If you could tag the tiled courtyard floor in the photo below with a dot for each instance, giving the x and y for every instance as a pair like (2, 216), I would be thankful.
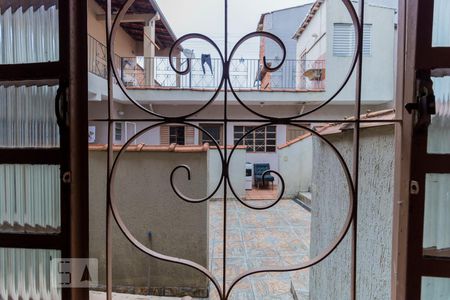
(266, 193)
(277, 237)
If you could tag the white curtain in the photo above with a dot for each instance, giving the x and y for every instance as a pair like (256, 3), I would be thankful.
(27, 117)
(25, 274)
(29, 36)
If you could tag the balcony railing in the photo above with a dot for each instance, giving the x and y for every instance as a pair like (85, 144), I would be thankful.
(97, 58)
(244, 74)
(140, 72)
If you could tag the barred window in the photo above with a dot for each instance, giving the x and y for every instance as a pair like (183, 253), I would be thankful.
(260, 140)
(176, 135)
(215, 130)
(118, 132)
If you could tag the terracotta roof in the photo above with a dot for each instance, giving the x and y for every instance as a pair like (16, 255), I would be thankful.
(164, 34)
(332, 128)
(153, 148)
(383, 115)
(296, 140)
(159, 148)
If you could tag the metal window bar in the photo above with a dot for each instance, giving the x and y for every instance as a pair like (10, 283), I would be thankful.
(226, 83)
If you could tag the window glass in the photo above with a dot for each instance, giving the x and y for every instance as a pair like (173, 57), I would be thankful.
(436, 235)
(26, 274)
(27, 116)
(29, 198)
(29, 32)
(439, 130)
(118, 130)
(435, 288)
(176, 135)
(259, 140)
(441, 23)
(215, 130)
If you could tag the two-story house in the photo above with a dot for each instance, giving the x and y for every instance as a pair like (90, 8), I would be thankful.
(327, 35)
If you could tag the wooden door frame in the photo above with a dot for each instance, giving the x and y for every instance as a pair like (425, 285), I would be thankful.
(70, 72)
(415, 52)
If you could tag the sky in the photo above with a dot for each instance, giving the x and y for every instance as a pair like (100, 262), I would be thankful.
(207, 17)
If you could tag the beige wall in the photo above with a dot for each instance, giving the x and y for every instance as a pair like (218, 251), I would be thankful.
(147, 203)
(125, 46)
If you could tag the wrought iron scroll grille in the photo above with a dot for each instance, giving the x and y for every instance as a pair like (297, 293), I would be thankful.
(261, 119)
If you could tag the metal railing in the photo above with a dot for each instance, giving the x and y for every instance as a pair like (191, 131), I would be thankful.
(244, 74)
(156, 72)
(97, 57)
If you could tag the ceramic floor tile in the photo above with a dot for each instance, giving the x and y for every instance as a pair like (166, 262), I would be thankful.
(275, 237)
(234, 249)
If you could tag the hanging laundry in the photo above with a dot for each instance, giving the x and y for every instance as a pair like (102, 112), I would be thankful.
(206, 58)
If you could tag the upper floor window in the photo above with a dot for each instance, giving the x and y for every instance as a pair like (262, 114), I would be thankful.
(215, 130)
(261, 140)
(176, 135)
(344, 39)
(118, 132)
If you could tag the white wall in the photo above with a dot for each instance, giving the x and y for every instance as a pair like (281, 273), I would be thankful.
(378, 68)
(312, 41)
(329, 205)
(295, 165)
(237, 172)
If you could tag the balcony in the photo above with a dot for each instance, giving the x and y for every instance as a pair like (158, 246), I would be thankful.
(245, 74)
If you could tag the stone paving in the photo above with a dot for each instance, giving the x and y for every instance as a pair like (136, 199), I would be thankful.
(278, 236)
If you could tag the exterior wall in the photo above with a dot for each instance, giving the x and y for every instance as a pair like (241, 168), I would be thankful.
(99, 109)
(314, 48)
(147, 203)
(378, 68)
(331, 278)
(312, 44)
(124, 45)
(283, 24)
(295, 165)
(237, 172)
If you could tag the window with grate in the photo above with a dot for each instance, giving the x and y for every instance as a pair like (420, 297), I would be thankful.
(118, 132)
(259, 140)
(176, 135)
(215, 130)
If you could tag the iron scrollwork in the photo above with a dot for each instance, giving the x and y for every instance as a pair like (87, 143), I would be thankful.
(265, 120)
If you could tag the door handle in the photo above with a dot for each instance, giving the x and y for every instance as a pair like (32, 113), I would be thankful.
(425, 103)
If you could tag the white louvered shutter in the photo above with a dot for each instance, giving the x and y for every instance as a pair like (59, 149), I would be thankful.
(344, 39)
